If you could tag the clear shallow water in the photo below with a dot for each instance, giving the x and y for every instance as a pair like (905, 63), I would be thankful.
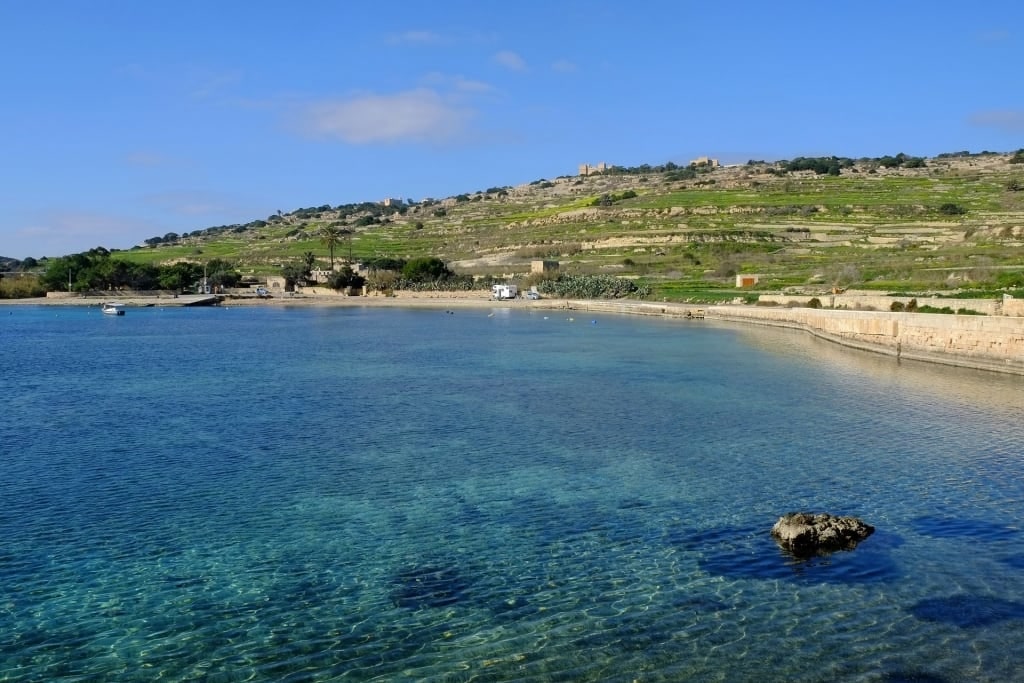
(361, 494)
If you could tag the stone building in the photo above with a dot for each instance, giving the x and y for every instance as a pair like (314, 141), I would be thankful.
(705, 161)
(543, 266)
(587, 169)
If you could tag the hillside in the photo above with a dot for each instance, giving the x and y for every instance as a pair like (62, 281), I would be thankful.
(936, 224)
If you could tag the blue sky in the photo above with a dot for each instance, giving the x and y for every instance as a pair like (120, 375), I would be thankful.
(125, 120)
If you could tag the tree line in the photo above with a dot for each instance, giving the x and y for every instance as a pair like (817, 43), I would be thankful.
(98, 270)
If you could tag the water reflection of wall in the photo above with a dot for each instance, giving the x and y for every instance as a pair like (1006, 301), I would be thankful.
(981, 342)
(946, 384)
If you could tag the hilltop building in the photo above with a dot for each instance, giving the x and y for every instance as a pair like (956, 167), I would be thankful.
(587, 169)
(393, 201)
(705, 161)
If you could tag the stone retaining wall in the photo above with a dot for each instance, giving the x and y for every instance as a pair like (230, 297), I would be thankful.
(876, 302)
(1008, 305)
(982, 342)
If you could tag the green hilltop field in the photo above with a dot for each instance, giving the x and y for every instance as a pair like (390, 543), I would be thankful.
(898, 224)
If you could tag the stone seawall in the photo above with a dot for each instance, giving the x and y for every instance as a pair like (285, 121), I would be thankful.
(981, 342)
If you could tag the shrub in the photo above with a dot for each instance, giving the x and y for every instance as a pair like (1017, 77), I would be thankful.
(897, 307)
(951, 209)
(21, 287)
(591, 287)
(425, 269)
(815, 302)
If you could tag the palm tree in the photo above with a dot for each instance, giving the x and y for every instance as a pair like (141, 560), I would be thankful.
(331, 235)
(347, 234)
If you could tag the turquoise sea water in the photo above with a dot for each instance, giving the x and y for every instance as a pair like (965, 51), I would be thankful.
(360, 494)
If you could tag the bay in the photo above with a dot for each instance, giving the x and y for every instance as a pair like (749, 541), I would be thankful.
(326, 494)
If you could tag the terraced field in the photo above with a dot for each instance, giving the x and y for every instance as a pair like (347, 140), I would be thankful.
(956, 223)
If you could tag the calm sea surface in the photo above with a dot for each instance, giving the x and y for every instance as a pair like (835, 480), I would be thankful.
(349, 494)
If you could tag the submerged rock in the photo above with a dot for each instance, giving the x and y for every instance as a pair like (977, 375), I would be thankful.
(805, 534)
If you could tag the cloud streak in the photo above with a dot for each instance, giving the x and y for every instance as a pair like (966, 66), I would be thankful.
(994, 36)
(419, 115)
(59, 233)
(510, 60)
(192, 203)
(415, 37)
(457, 83)
(1006, 120)
(148, 159)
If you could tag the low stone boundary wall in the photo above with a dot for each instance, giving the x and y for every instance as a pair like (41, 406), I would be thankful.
(981, 342)
(630, 307)
(1007, 306)
(120, 294)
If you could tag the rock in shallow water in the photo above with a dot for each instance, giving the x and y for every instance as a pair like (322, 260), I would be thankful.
(805, 534)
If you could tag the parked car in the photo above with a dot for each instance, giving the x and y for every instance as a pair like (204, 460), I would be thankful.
(532, 295)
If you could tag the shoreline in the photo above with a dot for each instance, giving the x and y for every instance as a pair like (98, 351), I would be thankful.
(990, 343)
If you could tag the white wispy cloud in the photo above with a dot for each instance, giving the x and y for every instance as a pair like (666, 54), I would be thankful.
(147, 159)
(563, 66)
(415, 37)
(993, 36)
(63, 232)
(510, 60)
(418, 115)
(1009, 120)
(193, 203)
(196, 81)
(203, 83)
(457, 83)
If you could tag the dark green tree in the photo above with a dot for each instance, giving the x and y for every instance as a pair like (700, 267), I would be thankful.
(179, 277)
(295, 274)
(222, 273)
(344, 278)
(385, 263)
(425, 269)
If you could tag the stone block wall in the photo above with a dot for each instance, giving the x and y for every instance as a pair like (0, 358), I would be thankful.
(878, 302)
(983, 342)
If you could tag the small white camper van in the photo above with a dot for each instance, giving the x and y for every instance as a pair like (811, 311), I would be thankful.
(504, 291)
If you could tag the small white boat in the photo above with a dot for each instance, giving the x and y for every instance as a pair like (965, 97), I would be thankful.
(112, 308)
